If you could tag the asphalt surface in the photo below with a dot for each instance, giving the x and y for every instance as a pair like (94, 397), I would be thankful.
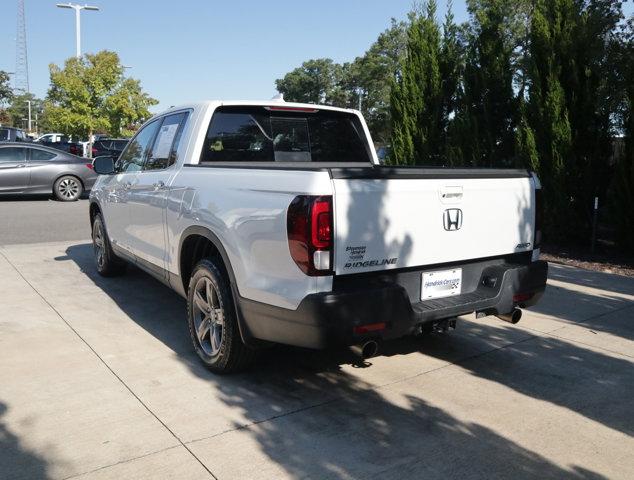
(40, 219)
(98, 380)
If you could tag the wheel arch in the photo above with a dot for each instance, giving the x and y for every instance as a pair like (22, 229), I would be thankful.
(199, 242)
(93, 210)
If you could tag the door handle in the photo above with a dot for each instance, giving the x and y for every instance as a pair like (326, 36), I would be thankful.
(21, 165)
(160, 185)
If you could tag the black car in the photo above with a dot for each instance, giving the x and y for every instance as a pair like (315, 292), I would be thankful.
(12, 134)
(108, 146)
(74, 148)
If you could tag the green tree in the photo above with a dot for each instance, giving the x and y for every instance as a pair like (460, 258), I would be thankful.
(18, 110)
(416, 96)
(370, 78)
(5, 88)
(569, 108)
(90, 94)
(489, 105)
(316, 81)
(551, 28)
(5, 96)
(622, 194)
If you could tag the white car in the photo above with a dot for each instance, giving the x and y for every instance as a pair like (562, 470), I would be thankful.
(278, 225)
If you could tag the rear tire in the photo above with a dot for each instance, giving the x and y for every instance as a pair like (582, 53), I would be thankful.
(211, 315)
(68, 188)
(108, 264)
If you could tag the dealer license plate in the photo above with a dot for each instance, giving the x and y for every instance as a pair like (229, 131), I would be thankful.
(443, 283)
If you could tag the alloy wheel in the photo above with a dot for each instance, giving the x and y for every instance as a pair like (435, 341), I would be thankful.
(208, 317)
(68, 188)
(99, 245)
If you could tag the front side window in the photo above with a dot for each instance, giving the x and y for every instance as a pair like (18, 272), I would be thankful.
(5, 134)
(261, 134)
(165, 146)
(132, 158)
(12, 155)
(40, 155)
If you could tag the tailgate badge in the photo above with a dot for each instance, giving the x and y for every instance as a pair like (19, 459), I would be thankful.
(452, 219)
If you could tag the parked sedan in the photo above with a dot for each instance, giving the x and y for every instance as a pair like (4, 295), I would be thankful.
(37, 169)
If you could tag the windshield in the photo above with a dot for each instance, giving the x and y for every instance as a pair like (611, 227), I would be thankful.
(275, 134)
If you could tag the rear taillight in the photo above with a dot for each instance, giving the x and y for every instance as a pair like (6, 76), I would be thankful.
(94, 152)
(90, 165)
(539, 213)
(309, 229)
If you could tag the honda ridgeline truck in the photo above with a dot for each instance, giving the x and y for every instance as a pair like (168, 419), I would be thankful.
(278, 225)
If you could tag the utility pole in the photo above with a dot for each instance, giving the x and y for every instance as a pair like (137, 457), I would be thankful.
(78, 9)
(29, 102)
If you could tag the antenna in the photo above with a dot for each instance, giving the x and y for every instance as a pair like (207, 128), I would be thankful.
(21, 79)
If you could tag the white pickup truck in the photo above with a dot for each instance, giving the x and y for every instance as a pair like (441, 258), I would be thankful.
(278, 225)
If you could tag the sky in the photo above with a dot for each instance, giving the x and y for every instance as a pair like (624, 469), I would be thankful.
(190, 50)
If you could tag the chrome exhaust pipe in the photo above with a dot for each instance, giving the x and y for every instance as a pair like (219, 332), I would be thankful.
(365, 350)
(513, 316)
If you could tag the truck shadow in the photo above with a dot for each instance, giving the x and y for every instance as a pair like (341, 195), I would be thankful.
(586, 381)
(16, 460)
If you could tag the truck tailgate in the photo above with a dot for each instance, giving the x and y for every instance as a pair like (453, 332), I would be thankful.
(408, 219)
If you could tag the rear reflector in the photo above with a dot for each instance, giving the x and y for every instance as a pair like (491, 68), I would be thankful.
(522, 297)
(371, 327)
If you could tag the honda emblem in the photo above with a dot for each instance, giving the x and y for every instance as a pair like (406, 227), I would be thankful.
(452, 219)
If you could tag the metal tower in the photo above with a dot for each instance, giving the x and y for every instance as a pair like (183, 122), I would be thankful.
(21, 79)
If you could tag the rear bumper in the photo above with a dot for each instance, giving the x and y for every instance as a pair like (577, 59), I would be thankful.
(329, 319)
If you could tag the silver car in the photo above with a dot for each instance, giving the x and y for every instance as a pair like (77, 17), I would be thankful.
(36, 169)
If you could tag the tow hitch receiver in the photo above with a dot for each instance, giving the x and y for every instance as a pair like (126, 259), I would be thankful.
(439, 326)
(443, 326)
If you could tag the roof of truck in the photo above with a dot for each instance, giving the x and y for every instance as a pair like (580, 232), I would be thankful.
(256, 103)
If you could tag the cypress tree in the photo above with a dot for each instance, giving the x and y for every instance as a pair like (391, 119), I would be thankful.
(416, 96)
(622, 198)
(489, 107)
(550, 30)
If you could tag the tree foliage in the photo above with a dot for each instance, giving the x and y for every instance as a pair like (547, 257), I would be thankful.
(5, 96)
(417, 94)
(622, 194)
(364, 83)
(90, 94)
(18, 109)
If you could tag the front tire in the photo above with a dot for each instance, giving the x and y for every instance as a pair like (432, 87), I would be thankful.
(68, 188)
(108, 264)
(212, 320)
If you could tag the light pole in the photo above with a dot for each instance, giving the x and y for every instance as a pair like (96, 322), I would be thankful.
(78, 9)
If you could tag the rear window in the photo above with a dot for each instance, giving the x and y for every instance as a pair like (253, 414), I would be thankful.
(259, 134)
(5, 134)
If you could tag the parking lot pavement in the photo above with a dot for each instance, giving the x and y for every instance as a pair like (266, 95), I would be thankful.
(41, 219)
(98, 380)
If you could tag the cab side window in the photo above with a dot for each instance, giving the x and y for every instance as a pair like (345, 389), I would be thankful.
(164, 150)
(133, 157)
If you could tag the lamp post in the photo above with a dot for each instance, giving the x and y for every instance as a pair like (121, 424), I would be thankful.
(78, 9)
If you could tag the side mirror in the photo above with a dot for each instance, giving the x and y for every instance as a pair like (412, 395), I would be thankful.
(104, 165)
